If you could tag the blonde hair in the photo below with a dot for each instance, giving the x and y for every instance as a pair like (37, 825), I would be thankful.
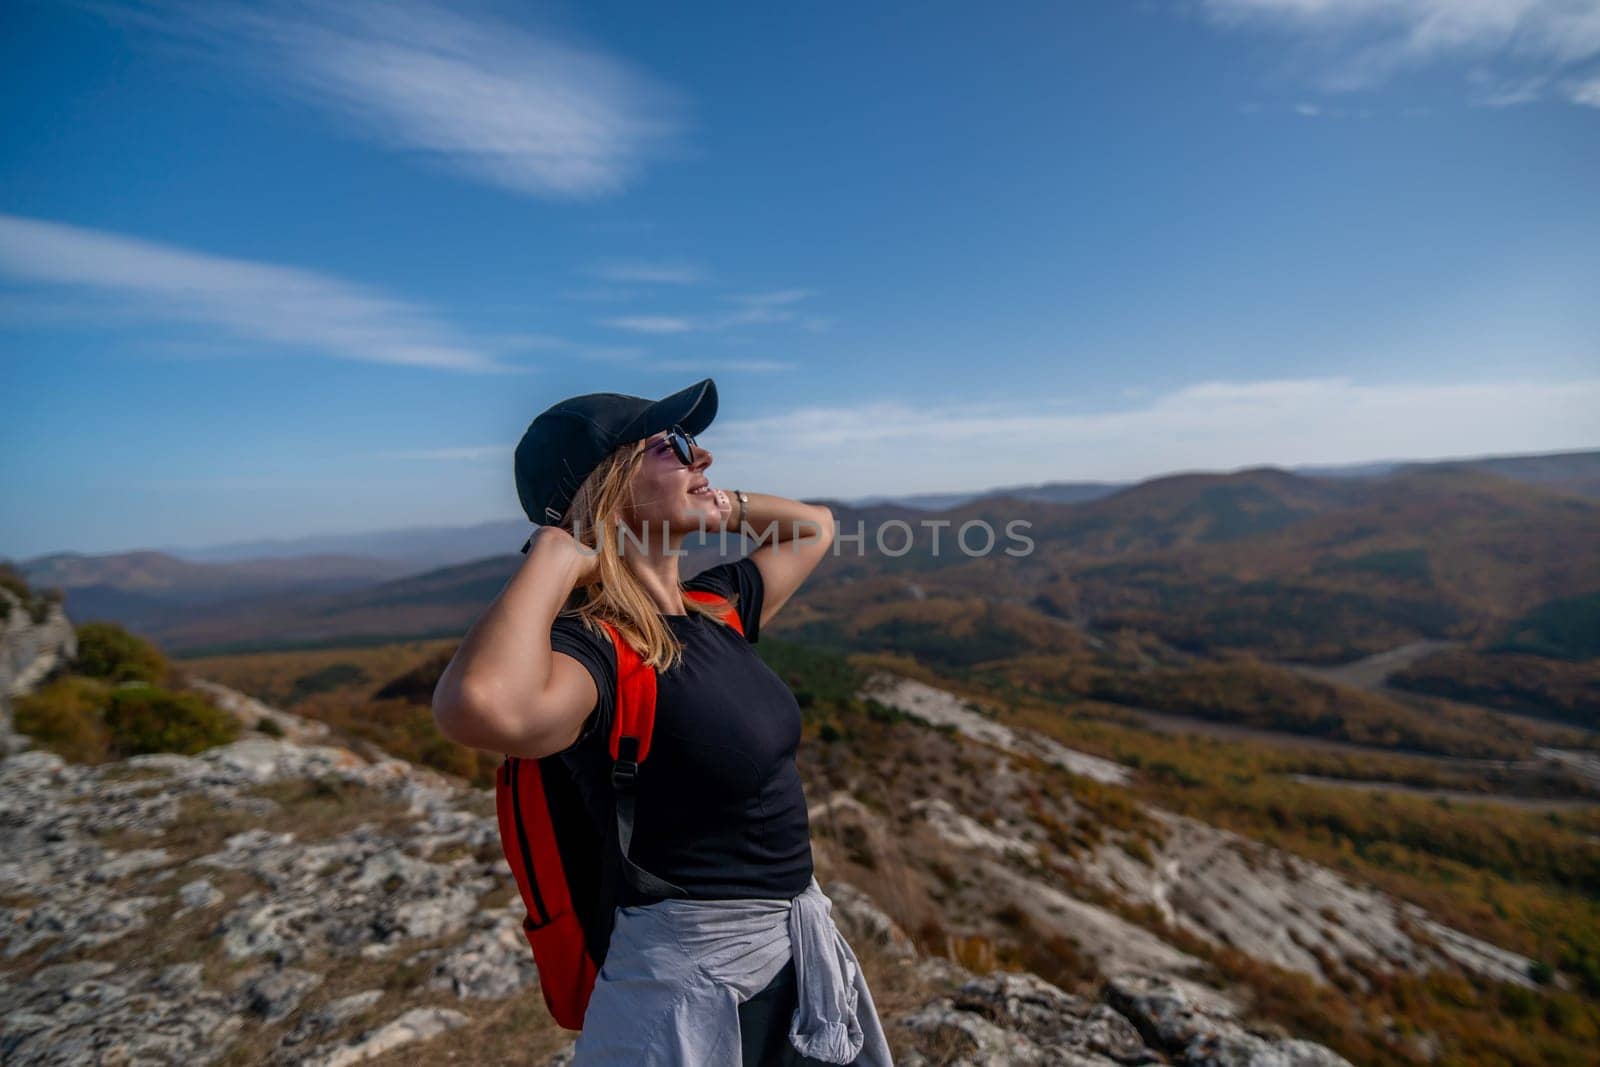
(617, 596)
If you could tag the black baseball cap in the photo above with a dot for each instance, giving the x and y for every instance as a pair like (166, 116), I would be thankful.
(566, 443)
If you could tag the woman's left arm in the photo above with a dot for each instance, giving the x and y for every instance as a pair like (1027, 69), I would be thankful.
(791, 537)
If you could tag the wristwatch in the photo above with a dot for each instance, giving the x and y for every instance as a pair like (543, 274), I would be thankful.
(744, 501)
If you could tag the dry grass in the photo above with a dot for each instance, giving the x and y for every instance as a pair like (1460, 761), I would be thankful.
(272, 677)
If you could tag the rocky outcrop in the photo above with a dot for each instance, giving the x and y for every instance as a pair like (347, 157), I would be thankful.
(1018, 1020)
(942, 708)
(29, 652)
(1219, 886)
(252, 713)
(109, 870)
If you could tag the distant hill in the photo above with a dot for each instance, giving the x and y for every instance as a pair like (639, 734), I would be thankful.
(1263, 561)
(147, 590)
(1048, 492)
(424, 548)
(1572, 472)
(1267, 560)
(417, 549)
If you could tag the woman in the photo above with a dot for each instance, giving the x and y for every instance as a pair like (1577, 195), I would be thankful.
(742, 964)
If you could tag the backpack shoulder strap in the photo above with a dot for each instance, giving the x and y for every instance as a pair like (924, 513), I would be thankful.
(730, 614)
(631, 727)
(635, 717)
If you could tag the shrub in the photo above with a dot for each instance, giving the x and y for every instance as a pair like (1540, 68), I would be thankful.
(37, 604)
(880, 712)
(12, 579)
(66, 718)
(147, 719)
(106, 650)
(335, 676)
(42, 605)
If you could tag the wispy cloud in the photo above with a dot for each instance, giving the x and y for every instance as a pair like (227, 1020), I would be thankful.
(643, 273)
(900, 447)
(237, 485)
(256, 302)
(490, 99)
(1585, 92)
(1358, 44)
(775, 298)
(745, 366)
(526, 342)
(651, 324)
(670, 324)
(758, 309)
(1507, 92)
(464, 453)
(600, 294)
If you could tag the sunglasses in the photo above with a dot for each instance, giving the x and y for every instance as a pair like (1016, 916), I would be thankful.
(683, 444)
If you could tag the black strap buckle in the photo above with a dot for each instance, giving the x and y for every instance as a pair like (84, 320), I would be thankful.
(624, 772)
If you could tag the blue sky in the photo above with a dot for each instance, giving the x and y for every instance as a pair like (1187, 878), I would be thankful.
(268, 271)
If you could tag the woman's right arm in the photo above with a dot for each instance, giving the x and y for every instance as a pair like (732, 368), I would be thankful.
(505, 691)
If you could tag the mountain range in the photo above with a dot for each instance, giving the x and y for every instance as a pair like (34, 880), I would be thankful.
(1295, 566)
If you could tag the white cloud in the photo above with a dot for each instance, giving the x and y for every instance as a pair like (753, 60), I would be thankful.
(256, 302)
(484, 97)
(776, 298)
(895, 447)
(1362, 43)
(529, 342)
(1512, 92)
(466, 453)
(749, 366)
(238, 485)
(644, 273)
(755, 314)
(610, 353)
(547, 343)
(605, 294)
(1586, 93)
(759, 315)
(651, 324)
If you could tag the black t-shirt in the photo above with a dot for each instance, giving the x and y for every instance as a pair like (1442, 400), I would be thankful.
(720, 809)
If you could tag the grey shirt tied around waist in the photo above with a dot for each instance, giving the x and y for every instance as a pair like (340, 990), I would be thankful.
(677, 970)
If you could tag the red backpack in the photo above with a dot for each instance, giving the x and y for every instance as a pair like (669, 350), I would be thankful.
(566, 867)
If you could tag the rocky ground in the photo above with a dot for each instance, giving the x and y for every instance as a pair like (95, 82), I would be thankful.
(282, 900)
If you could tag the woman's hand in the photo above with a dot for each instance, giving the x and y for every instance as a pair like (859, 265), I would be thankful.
(584, 560)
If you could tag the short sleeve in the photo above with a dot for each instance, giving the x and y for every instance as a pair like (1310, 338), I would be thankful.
(571, 636)
(741, 578)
